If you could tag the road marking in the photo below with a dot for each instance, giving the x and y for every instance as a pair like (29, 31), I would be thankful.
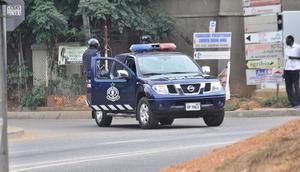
(78, 146)
(168, 138)
(46, 164)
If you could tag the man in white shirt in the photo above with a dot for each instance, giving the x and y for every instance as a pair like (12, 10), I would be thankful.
(292, 70)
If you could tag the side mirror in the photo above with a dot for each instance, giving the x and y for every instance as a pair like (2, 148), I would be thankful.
(123, 74)
(206, 69)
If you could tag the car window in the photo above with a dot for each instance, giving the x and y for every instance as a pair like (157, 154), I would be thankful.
(131, 64)
(167, 64)
(118, 71)
(102, 69)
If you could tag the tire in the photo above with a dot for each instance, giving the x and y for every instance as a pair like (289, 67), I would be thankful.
(215, 119)
(101, 118)
(145, 116)
(166, 121)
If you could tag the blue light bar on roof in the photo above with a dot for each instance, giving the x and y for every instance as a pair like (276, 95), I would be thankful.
(141, 47)
(152, 47)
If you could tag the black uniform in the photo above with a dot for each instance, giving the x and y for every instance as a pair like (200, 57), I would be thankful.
(86, 59)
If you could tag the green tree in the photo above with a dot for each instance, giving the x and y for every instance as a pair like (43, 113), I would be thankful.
(47, 26)
(139, 16)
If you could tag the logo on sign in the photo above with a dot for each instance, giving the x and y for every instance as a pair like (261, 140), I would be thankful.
(113, 93)
(263, 72)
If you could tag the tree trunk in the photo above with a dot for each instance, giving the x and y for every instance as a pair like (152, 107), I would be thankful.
(21, 65)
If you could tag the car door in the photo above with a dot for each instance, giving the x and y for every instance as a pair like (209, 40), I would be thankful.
(113, 88)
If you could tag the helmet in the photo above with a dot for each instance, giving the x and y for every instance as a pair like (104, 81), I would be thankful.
(93, 42)
(146, 39)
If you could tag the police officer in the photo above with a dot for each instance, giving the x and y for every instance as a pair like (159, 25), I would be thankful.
(146, 39)
(92, 51)
(291, 71)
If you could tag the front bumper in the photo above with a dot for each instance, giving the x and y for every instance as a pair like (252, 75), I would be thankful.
(175, 108)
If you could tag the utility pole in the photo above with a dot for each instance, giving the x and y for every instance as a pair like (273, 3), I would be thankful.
(105, 41)
(86, 22)
(4, 166)
(106, 45)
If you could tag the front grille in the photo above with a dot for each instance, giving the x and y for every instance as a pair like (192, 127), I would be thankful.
(190, 88)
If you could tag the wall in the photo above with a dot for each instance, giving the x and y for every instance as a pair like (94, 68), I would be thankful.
(195, 15)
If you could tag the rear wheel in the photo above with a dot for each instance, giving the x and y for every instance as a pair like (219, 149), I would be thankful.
(145, 116)
(215, 119)
(166, 121)
(101, 118)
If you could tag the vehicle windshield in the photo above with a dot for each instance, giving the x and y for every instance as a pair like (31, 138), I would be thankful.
(167, 64)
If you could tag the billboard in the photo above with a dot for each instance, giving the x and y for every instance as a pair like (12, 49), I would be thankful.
(263, 51)
(271, 9)
(70, 55)
(253, 3)
(212, 40)
(263, 37)
(212, 55)
(259, 76)
(264, 64)
(264, 23)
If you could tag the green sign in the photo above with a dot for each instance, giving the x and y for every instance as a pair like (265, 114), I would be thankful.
(264, 64)
(70, 55)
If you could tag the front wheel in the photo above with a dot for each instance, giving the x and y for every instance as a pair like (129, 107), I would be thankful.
(145, 116)
(102, 119)
(215, 119)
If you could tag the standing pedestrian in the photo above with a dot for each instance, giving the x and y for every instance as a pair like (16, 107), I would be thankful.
(92, 51)
(292, 70)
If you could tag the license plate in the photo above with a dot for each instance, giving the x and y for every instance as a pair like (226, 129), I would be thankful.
(193, 106)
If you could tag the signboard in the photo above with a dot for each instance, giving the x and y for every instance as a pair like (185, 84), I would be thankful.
(70, 55)
(212, 26)
(212, 55)
(263, 51)
(259, 76)
(212, 40)
(263, 37)
(271, 9)
(252, 3)
(264, 23)
(15, 12)
(264, 64)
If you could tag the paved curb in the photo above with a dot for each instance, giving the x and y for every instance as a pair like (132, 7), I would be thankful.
(50, 115)
(87, 114)
(13, 132)
(263, 113)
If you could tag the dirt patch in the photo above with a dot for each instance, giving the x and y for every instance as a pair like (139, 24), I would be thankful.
(276, 150)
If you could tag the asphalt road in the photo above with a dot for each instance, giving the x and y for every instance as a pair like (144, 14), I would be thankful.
(79, 145)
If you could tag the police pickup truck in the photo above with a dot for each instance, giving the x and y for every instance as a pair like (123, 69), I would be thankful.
(155, 85)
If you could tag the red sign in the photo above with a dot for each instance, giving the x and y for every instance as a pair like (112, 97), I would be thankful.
(253, 3)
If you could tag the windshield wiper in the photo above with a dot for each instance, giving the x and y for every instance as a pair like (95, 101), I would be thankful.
(177, 72)
(147, 74)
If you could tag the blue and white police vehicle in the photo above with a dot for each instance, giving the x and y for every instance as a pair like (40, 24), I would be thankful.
(154, 84)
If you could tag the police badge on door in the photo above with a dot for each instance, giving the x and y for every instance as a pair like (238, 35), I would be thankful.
(113, 93)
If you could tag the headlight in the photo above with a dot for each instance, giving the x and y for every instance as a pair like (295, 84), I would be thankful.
(216, 86)
(161, 89)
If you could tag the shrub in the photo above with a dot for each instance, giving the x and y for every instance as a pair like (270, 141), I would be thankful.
(279, 101)
(231, 106)
(33, 98)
